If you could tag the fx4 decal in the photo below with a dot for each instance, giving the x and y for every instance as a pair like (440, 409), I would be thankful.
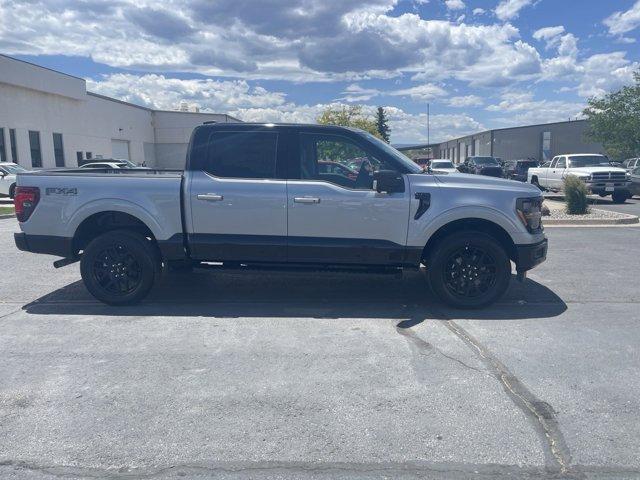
(61, 191)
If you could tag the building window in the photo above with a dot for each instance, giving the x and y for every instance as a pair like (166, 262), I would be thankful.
(3, 150)
(58, 151)
(79, 158)
(14, 146)
(89, 155)
(36, 153)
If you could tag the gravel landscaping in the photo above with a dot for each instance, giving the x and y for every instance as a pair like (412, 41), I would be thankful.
(595, 216)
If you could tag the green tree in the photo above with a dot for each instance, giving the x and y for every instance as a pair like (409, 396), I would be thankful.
(614, 121)
(348, 116)
(381, 124)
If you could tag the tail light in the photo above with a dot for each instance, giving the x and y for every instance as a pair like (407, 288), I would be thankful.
(25, 200)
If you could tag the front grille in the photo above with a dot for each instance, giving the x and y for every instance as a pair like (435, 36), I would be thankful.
(491, 172)
(609, 176)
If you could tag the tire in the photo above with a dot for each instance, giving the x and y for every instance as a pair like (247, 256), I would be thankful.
(619, 197)
(488, 266)
(120, 267)
(12, 191)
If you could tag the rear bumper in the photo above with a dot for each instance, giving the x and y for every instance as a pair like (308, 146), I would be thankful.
(528, 256)
(47, 244)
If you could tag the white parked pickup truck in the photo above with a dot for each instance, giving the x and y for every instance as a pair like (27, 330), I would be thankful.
(595, 170)
(253, 195)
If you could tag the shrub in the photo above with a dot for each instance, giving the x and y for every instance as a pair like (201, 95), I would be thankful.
(575, 194)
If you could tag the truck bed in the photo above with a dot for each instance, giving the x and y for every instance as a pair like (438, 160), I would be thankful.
(68, 197)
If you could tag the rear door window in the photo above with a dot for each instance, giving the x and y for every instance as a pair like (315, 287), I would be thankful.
(242, 154)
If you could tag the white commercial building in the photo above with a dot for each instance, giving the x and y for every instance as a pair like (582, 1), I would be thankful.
(48, 120)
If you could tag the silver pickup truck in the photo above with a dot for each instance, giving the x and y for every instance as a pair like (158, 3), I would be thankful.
(254, 195)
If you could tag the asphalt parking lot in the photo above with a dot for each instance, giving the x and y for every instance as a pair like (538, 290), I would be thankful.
(322, 375)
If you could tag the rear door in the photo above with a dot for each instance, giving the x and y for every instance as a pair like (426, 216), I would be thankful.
(556, 178)
(238, 203)
(336, 219)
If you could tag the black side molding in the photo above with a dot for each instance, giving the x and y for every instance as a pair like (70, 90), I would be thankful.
(425, 203)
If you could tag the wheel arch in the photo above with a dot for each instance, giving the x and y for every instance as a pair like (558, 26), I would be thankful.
(472, 224)
(106, 221)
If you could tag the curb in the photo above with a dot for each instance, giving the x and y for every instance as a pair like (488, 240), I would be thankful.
(624, 219)
(8, 215)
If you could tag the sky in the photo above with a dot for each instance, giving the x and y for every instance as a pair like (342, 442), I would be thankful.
(479, 64)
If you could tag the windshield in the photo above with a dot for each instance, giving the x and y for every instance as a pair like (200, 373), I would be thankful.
(441, 164)
(589, 161)
(398, 156)
(485, 160)
(12, 169)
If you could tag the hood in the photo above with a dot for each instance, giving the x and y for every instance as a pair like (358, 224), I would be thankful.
(465, 180)
(445, 170)
(605, 169)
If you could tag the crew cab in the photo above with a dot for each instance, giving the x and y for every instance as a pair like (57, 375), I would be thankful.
(254, 195)
(595, 170)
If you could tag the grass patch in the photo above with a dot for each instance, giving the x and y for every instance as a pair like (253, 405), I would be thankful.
(6, 210)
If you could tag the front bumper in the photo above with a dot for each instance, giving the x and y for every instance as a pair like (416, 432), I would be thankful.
(47, 244)
(608, 188)
(528, 256)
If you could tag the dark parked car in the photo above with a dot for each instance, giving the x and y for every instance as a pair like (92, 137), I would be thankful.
(517, 169)
(634, 188)
(488, 166)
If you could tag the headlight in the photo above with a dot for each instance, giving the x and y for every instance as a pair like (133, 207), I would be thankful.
(529, 211)
(628, 176)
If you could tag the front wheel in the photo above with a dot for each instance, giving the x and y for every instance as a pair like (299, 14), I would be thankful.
(12, 191)
(119, 267)
(469, 270)
(619, 197)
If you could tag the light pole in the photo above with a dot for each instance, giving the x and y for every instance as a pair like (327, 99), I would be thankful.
(429, 129)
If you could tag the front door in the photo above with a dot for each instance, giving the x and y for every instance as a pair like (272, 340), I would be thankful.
(556, 174)
(238, 205)
(337, 217)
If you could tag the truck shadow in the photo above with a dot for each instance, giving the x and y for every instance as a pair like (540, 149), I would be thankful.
(301, 294)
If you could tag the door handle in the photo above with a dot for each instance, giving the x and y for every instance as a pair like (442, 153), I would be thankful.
(308, 200)
(210, 197)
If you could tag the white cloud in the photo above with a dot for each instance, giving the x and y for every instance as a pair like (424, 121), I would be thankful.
(623, 22)
(524, 109)
(455, 4)
(548, 33)
(479, 11)
(158, 91)
(510, 9)
(465, 101)
(425, 92)
(356, 93)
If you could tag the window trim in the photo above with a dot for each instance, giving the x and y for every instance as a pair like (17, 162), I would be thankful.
(3, 146)
(13, 142)
(210, 145)
(31, 149)
(55, 157)
(297, 158)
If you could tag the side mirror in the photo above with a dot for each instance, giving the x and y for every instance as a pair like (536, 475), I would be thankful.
(388, 181)
(3, 174)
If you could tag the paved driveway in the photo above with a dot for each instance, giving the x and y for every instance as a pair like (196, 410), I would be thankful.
(319, 375)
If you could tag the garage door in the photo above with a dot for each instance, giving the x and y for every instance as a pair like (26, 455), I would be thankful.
(120, 149)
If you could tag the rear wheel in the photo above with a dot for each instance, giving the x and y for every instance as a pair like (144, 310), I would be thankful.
(12, 191)
(120, 267)
(469, 270)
